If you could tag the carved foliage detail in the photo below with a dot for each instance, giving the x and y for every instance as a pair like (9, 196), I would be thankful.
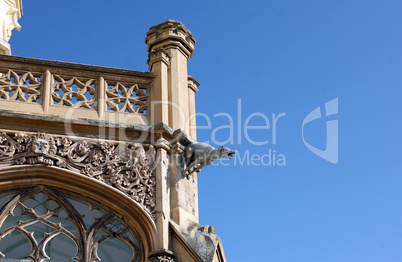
(19, 87)
(73, 92)
(127, 167)
(126, 99)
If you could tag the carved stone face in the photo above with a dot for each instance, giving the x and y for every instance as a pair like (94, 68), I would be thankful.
(228, 152)
(40, 146)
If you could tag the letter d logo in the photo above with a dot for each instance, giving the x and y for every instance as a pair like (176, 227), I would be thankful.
(331, 149)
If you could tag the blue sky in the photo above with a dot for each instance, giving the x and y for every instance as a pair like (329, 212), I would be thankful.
(272, 57)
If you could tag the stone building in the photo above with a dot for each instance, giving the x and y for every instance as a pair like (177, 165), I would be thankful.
(92, 159)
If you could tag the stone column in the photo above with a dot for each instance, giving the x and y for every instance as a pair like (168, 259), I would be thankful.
(10, 12)
(170, 45)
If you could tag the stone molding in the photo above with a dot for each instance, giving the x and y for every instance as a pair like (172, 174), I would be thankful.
(162, 259)
(193, 84)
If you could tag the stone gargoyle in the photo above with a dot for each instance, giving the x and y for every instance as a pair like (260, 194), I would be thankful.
(199, 155)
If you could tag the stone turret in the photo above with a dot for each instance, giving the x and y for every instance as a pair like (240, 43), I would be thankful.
(170, 46)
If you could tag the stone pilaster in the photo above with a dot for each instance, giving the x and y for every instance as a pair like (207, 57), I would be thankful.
(184, 192)
(162, 192)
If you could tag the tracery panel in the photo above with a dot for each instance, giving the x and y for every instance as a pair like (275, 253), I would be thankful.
(24, 87)
(129, 98)
(73, 92)
(43, 223)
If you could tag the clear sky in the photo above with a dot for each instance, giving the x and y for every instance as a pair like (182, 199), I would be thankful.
(261, 58)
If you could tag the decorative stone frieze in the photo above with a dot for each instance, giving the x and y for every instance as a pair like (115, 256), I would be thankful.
(129, 167)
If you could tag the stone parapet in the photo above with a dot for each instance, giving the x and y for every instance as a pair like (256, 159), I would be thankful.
(74, 90)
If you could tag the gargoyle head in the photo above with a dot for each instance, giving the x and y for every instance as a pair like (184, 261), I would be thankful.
(224, 151)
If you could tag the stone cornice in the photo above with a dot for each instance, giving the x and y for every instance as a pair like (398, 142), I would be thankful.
(193, 84)
(30, 62)
(160, 135)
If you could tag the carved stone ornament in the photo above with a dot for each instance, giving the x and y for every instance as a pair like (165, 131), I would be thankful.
(161, 259)
(199, 155)
(127, 167)
(10, 22)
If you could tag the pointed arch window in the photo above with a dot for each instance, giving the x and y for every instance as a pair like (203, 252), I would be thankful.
(47, 224)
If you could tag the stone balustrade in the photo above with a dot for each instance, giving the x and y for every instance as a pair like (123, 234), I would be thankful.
(74, 90)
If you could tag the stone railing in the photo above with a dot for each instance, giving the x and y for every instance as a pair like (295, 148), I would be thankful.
(74, 90)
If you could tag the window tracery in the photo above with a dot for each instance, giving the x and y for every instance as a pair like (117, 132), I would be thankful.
(43, 223)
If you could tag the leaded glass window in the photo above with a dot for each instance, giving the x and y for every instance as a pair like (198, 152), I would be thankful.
(47, 224)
